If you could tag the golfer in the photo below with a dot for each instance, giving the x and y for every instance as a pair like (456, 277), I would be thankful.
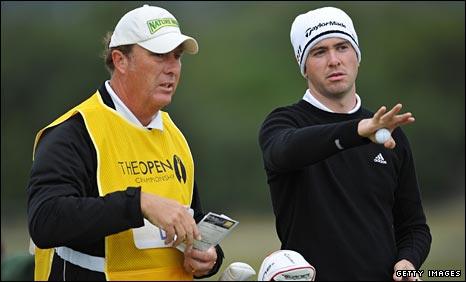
(350, 206)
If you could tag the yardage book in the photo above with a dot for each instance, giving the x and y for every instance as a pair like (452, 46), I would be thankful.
(213, 229)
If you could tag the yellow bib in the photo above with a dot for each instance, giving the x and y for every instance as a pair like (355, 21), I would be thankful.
(158, 161)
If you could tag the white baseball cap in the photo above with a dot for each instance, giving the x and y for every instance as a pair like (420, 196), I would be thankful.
(286, 265)
(319, 24)
(154, 29)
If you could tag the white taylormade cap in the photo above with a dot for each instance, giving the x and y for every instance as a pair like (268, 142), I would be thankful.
(316, 25)
(286, 265)
(154, 29)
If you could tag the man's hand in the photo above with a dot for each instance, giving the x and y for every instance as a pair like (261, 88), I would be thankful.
(390, 120)
(404, 265)
(170, 216)
(199, 263)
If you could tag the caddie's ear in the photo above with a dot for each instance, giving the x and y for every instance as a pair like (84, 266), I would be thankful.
(120, 61)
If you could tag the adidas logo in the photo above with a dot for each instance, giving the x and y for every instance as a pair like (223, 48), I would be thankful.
(379, 159)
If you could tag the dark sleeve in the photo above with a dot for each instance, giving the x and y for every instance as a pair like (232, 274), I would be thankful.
(198, 215)
(287, 146)
(64, 206)
(412, 233)
(196, 204)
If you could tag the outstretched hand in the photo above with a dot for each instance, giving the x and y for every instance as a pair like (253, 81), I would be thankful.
(170, 216)
(383, 119)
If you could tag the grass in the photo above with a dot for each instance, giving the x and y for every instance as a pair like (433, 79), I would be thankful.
(448, 234)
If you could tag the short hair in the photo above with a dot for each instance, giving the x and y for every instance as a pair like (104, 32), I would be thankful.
(107, 53)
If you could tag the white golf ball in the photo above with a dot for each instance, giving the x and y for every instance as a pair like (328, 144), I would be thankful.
(382, 135)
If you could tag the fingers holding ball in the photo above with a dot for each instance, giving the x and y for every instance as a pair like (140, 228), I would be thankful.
(382, 135)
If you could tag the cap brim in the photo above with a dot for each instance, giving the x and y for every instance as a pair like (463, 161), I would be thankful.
(168, 42)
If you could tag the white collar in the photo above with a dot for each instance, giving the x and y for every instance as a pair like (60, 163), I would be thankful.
(121, 108)
(308, 97)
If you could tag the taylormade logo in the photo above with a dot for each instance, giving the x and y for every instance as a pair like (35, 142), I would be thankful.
(314, 28)
(300, 277)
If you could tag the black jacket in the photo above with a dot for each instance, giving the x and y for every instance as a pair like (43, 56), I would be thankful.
(352, 208)
(64, 207)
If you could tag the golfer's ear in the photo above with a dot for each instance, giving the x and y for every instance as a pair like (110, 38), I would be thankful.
(120, 61)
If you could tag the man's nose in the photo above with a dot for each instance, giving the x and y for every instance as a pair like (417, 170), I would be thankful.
(334, 59)
(172, 64)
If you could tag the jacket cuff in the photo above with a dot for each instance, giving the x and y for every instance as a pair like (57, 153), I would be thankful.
(133, 195)
(351, 136)
(412, 258)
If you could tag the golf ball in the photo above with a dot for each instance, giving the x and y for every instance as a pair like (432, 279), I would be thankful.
(382, 135)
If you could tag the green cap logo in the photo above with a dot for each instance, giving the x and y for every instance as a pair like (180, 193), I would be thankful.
(157, 24)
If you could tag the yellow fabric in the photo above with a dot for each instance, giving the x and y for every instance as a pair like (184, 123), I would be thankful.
(158, 161)
(43, 263)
